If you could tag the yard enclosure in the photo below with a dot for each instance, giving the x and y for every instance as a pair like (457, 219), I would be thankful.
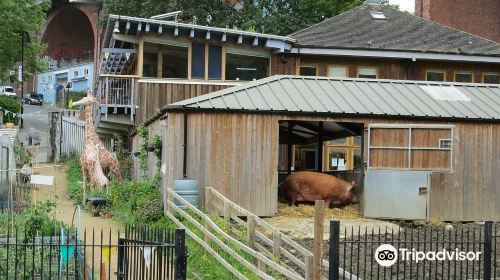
(237, 154)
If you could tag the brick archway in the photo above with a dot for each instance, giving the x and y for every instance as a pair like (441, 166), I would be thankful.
(71, 31)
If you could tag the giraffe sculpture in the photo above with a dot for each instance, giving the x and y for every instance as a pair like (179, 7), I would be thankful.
(95, 156)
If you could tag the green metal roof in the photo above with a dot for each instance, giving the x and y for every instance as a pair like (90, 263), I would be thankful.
(295, 94)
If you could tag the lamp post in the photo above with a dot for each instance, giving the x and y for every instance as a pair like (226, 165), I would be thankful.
(22, 78)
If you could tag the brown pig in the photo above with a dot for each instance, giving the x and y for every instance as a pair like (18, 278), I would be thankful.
(311, 186)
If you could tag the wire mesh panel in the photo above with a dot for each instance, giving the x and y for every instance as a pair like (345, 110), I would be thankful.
(427, 252)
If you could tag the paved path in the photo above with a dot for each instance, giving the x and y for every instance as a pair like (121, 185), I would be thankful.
(65, 209)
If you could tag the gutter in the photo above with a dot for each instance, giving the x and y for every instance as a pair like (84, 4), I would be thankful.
(396, 54)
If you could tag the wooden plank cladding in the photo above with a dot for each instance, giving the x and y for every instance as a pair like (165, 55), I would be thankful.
(154, 94)
(238, 155)
(471, 192)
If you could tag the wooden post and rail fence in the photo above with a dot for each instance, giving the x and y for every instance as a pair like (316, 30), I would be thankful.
(273, 252)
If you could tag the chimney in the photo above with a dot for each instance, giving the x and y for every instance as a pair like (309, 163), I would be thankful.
(372, 2)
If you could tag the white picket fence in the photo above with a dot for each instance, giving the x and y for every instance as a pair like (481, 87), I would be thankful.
(72, 136)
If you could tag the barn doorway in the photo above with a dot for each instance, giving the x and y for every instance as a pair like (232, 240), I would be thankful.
(330, 147)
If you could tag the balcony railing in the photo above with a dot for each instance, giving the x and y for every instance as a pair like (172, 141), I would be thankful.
(117, 92)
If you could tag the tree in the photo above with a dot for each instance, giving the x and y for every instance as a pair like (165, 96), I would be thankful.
(19, 19)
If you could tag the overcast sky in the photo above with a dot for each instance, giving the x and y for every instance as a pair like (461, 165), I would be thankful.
(405, 5)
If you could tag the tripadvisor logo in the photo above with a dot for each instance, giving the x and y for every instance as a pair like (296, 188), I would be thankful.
(386, 255)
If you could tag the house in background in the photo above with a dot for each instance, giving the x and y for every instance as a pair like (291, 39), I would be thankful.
(52, 83)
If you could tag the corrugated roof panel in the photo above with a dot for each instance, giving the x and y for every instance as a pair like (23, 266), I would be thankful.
(340, 92)
(331, 103)
(355, 96)
(363, 99)
(294, 99)
(274, 101)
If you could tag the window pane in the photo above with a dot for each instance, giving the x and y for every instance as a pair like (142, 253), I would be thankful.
(214, 62)
(492, 78)
(175, 62)
(246, 68)
(358, 140)
(150, 67)
(337, 71)
(308, 70)
(435, 76)
(463, 77)
(337, 159)
(358, 161)
(339, 141)
(367, 72)
(198, 61)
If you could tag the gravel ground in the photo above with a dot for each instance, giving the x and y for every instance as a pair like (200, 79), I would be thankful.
(357, 252)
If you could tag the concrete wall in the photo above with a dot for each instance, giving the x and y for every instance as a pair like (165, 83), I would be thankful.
(479, 17)
(47, 82)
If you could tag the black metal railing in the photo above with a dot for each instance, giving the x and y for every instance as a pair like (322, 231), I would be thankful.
(461, 251)
(136, 253)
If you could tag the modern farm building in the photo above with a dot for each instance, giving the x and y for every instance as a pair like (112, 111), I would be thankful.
(429, 150)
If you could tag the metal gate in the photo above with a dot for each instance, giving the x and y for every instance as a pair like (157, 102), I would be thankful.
(152, 254)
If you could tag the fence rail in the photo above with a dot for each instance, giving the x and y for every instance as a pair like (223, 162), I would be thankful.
(136, 253)
(261, 260)
(262, 237)
(416, 253)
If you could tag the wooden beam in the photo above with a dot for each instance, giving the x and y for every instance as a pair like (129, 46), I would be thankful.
(140, 57)
(159, 68)
(319, 217)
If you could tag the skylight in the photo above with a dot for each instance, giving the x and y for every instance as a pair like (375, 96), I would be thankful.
(377, 15)
(445, 93)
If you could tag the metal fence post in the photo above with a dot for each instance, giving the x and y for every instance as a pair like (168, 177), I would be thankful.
(488, 226)
(333, 258)
(180, 254)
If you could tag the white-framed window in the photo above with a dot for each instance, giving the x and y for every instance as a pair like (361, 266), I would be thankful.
(435, 75)
(340, 71)
(85, 72)
(491, 78)
(464, 77)
(445, 143)
(368, 72)
(76, 73)
(50, 78)
(308, 70)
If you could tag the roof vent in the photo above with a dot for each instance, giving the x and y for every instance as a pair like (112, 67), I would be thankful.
(445, 93)
(377, 15)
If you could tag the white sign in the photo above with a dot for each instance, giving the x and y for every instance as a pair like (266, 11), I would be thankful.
(20, 74)
(42, 180)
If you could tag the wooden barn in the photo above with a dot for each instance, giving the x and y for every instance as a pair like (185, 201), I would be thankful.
(429, 150)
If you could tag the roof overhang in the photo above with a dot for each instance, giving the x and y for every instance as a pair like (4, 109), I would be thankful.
(395, 54)
(137, 26)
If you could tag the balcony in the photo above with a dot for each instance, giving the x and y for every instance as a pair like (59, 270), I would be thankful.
(116, 95)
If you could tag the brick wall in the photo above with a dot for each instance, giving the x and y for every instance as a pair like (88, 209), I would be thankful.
(479, 17)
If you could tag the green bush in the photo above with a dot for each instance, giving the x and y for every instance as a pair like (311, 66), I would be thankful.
(137, 201)
(12, 105)
(74, 179)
